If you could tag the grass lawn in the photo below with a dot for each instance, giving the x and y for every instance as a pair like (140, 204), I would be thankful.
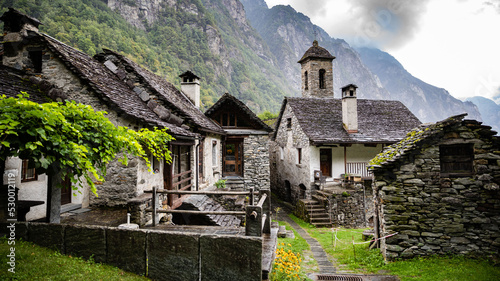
(371, 261)
(38, 263)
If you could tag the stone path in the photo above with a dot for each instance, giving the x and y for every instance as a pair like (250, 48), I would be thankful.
(325, 266)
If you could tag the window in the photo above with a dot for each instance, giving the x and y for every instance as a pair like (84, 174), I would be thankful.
(214, 154)
(28, 172)
(299, 155)
(289, 123)
(306, 81)
(351, 93)
(36, 60)
(322, 79)
(155, 164)
(456, 159)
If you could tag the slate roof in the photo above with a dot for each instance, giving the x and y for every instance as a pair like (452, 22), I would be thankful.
(227, 98)
(176, 100)
(316, 52)
(379, 121)
(426, 135)
(13, 81)
(114, 92)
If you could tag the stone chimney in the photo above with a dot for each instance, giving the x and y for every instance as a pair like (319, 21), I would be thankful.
(17, 53)
(190, 86)
(350, 108)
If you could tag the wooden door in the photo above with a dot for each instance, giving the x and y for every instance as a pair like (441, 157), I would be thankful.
(66, 191)
(325, 161)
(233, 158)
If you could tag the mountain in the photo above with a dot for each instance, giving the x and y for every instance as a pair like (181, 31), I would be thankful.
(211, 37)
(490, 111)
(427, 102)
(377, 74)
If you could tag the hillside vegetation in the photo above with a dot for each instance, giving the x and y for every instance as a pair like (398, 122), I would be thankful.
(175, 41)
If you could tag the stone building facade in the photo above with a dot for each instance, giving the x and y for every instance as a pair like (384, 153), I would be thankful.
(245, 147)
(132, 97)
(439, 190)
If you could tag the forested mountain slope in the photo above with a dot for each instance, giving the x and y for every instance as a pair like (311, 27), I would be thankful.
(169, 37)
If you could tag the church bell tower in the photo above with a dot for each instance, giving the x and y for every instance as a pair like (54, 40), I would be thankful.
(317, 72)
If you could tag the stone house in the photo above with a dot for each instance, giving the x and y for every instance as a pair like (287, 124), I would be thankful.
(318, 132)
(245, 147)
(136, 98)
(132, 97)
(438, 189)
(320, 140)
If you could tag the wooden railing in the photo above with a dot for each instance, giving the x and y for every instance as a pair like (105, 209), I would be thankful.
(358, 168)
(258, 216)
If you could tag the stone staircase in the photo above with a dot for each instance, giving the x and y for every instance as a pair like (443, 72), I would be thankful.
(205, 203)
(318, 216)
(235, 183)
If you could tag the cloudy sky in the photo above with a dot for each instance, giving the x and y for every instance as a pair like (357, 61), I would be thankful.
(452, 44)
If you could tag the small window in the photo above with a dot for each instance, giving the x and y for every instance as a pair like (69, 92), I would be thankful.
(289, 123)
(456, 159)
(322, 79)
(351, 93)
(306, 81)
(28, 172)
(155, 164)
(299, 155)
(36, 60)
(214, 154)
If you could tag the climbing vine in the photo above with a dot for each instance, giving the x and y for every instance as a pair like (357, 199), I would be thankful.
(73, 137)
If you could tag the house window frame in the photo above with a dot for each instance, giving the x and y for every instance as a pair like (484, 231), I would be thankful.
(25, 168)
(456, 155)
(299, 155)
(215, 158)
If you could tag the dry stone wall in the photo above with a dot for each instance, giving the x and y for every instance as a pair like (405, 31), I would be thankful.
(256, 159)
(436, 214)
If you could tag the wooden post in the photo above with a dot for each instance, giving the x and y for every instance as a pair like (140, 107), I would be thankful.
(251, 200)
(253, 221)
(154, 205)
(266, 209)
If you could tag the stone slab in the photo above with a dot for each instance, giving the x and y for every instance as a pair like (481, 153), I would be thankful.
(173, 256)
(229, 258)
(47, 235)
(86, 242)
(127, 249)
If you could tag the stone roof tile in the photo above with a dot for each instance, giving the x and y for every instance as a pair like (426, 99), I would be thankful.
(108, 86)
(379, 121)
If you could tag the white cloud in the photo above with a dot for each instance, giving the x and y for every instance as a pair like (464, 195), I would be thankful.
(453, 44)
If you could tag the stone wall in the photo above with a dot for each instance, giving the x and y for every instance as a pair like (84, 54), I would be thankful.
(256, 161)
(438, 214)
(284, 157)
(159, 255)
(350, 208)
(312, 68)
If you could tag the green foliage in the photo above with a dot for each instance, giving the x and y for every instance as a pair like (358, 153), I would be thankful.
(346, 194)
(38, 263)
(266, 115)
(71, 137)
(220, 183)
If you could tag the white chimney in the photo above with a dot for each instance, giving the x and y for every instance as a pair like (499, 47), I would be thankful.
(190, 86)
(350, 108)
